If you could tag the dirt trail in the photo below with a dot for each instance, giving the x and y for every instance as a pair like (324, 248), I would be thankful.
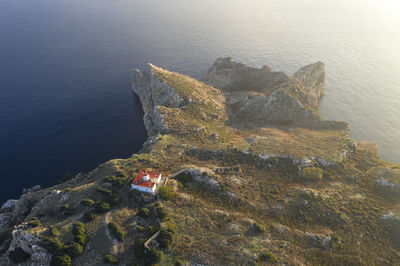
(117, 247)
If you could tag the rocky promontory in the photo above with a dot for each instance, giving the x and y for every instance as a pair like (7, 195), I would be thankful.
(261, 97)
(253, 175)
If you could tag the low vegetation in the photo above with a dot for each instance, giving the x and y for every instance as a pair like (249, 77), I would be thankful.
(117, 231)
(312, 173)
(166, 193)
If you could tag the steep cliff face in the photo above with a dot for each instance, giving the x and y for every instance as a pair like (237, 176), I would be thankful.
(153, 93)
(256, 97)
(229, 75)
(312, 77)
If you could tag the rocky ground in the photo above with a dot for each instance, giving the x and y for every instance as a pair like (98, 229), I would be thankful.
(255, 176)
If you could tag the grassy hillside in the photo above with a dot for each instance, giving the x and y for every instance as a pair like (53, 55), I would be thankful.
(234, 196)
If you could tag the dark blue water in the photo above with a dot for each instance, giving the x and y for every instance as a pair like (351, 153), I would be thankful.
(65, 65)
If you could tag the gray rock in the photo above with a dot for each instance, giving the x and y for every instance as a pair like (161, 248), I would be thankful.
(5, 220)
(30, 244)
(386, 188)
(392, 223)
(9, 206)
(154, 93)
(256, 97)
(32, 189)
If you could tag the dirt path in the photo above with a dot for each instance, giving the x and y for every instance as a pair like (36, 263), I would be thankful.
(117, 247)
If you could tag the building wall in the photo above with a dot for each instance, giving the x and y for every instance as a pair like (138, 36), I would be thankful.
(144, 189)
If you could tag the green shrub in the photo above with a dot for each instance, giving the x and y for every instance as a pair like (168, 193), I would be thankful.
(120, 173)
(80, 239)
(144, 212)
(151, 230)
(162, 213)
(165, 238)
(102, 207)
(139, 248)
(156, 255)
(259, 228)
(179, 263)
(73, 249)
(78, 228)
(110, 259)
(90, 216)
(312, 173)
(34, 223)
(116, 182)
(61, 260)
(170, 227)
(52, 244)
(166, 193)
(141, 228)
(133, 193)
(112, 199)
(105, 191)
(87, 202)
(65, 207)
(53, 231)
(18, 255)
(180, 185)
(267, 256)
(184, 177)
(117, 231)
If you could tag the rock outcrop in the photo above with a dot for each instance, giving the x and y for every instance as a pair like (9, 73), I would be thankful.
(257, 97)
(154, 93)
(27, 245)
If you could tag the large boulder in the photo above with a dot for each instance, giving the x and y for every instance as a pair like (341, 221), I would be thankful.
(9, 206)
(26, 244)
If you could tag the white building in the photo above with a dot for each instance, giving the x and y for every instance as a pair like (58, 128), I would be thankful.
(146, 181)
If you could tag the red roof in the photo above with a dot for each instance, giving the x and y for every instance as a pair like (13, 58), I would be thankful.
(140, 182)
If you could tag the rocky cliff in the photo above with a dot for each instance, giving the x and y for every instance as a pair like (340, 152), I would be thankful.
(249, 195)
(259, 97)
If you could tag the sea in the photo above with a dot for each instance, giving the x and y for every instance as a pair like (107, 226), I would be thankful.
(66, 103)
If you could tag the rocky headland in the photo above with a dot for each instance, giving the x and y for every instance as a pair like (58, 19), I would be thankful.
(255, 176)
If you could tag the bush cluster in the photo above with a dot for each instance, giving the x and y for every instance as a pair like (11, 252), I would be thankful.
(166, 193)
(162, 213)
(184, 177)
(312, 173)
(139, 248)
(90, 216)
(259, 228)
(87, 202)
(110, 196)
(79, 234)
(63, 254)
(116, 182)
(156, 255)
(144, 212)
(34, 222)
(67, 209)
(117, 231)
(267, 256)
(101, 207)
(110, 259)
(53, 231)
(61, 260)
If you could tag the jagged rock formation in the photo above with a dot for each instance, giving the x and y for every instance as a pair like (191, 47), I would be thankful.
(153, 93)
(257, 97)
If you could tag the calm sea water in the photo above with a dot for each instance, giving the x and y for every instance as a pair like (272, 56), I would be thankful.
(65, 65)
